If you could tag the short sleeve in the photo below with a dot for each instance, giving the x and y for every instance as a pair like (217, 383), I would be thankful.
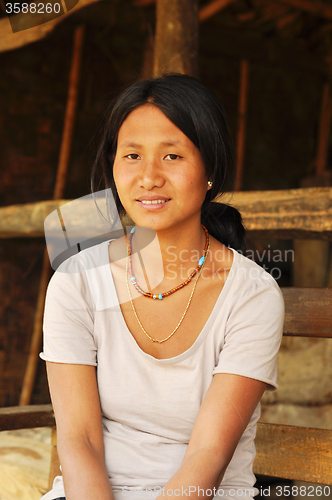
(69, 319)
(254, 332)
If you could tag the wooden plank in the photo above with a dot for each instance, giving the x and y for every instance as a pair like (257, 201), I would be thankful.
(291, 452)
(11, 41)
(17, 221)
(308, 312)
(176, 37)
(26, 417)
(285, 214)
(294, 213)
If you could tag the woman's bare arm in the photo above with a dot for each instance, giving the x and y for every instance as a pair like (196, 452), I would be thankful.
(76, 404)
(224, 414)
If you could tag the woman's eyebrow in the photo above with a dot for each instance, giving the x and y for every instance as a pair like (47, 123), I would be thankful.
(176, 142)
(131, 144)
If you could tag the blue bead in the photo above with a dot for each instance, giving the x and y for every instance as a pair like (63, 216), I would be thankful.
(132, 278)
(133, 230)
(201, 261)
(160, 296)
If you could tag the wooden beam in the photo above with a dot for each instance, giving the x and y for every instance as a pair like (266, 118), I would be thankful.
(11, 41)
(302, 213)
(176, 37)
(286, 214)
(26, 417)
(317, 8)
(283, 449)
(213, 8)
(20, 221)
(308, 312)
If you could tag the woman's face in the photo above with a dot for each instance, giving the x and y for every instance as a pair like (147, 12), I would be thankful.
(159, 173)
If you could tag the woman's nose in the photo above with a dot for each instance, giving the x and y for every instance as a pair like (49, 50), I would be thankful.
(151, 175)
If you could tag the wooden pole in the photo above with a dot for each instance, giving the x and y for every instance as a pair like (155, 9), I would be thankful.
(241, 134)
(31, 369)
(324, 131)
(176, 39)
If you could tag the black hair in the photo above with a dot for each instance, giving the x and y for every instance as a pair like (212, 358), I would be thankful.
(196, 111)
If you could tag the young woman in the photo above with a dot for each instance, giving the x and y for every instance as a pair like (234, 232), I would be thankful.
(157, 392)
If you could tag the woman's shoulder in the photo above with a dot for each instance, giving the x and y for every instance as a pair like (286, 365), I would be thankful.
(250, 271)
(252, 283)
(74, 275)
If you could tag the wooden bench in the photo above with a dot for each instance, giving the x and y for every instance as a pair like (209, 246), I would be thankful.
(283, 451)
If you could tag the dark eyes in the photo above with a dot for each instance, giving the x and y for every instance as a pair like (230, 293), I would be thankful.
(172, 157)
(134, 156)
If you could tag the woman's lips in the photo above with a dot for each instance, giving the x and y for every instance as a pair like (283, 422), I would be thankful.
(153, 204)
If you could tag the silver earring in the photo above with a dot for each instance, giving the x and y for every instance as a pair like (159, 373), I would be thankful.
(210, 183)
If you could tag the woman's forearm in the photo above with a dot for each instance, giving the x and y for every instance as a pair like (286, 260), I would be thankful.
(84, 472)
(198, 477)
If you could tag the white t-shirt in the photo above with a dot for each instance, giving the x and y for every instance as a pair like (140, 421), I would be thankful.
(149, 405)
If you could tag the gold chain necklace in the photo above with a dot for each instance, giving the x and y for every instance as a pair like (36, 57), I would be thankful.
(185, 311)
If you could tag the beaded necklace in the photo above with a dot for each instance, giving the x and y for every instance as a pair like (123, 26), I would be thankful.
(160, 296)
(206, 250)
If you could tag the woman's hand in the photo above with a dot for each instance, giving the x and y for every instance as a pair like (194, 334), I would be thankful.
(224, 414)
(77, 411)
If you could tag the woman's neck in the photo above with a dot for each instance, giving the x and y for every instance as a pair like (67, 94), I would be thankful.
(175, 251)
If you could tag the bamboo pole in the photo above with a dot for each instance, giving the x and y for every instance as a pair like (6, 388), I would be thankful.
(324, 131)
(31, 369)
(241, 134)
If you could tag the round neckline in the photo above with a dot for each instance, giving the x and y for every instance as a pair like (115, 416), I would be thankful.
(202, 334)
